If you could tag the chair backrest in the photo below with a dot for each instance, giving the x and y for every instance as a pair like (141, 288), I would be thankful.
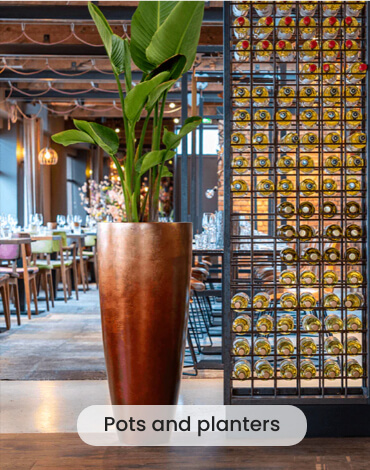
(27, 245)
(90, 240)
(42, 246)
(56, 242)
(9, 252)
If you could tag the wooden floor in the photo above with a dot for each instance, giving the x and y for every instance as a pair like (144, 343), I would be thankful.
(67, 451)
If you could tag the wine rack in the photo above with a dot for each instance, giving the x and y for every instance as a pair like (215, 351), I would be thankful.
(296, 202)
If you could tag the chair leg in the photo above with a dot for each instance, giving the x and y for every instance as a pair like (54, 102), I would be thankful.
(96, 269)
(50, 278)
(69, 279)
(16, 301)
(75, 277)
(64, 282)
(5, 299)
(34, 291)
(45, 287)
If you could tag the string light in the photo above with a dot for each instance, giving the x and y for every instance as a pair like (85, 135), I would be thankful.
(48, 156)
(176, 120)
(117, 130)
(172, 105)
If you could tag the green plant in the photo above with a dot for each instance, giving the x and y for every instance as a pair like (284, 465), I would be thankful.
(164, 38)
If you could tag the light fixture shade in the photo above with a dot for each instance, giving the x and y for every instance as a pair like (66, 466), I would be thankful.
(48, 156)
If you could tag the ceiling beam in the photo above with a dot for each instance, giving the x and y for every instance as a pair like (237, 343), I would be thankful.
(79, 13)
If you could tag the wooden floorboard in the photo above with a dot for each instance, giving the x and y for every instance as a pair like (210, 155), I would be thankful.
(67, 451)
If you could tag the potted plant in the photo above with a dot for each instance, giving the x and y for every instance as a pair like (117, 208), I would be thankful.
(144, 267)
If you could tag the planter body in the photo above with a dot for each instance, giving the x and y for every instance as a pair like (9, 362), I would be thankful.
(144, 276)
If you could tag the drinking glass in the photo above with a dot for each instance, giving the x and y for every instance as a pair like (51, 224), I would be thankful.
(61, 220)
(39, 219)
(70, 221)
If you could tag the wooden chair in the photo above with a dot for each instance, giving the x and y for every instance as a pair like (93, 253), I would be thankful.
(4, 291)
(91, 254)
(44, 248)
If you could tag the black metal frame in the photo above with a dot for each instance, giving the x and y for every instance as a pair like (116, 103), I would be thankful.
(346, 394)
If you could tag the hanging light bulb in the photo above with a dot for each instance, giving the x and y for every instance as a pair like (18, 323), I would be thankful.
(211, 192)
(48, 156)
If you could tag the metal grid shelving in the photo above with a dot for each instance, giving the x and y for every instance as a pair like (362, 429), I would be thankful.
(252, 245)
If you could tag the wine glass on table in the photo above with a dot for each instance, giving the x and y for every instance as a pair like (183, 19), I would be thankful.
(206, 220)
(70, 221)
(61, 221)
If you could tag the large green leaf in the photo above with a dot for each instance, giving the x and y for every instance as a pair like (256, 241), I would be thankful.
(172, 140)
(146, 20)
(175, 65)
(151, 159)
(157, 92)
(103, 27)
(136, 98)
(179, 34)
(103, 136)
(166, 173)
(117, 57)
(127, 58)
(72, 137)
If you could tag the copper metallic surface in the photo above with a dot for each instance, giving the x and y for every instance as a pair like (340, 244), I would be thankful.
(144, 280)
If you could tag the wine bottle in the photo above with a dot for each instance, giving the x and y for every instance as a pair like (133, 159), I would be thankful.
(238, 140)
(288, 301)
(285, 324)
(285, 347)
(241, 347)
(354, 8)
(242, 370)
(354, 278)
(240, 8)
(331, 26)
(284, 8)
(262, 347)
(352, 255)
(331, 8)
(287, 277)
(261, 301)
(240, 302)
(265, 187)
(307, 27)
(260, 141)
(288, 370)
(331, 95)
(307, 301)
(239, 187)
(263, 8)
(353, 346)
(356, 141)
(351, 50)
(308, 369)
(329, 210)
(306, 164)
(285, 187)
(309, 141)
(330, 51)
(353, 186)
(307, 278)
(307, 346)
(332, 164)
(242, 324)
(241, 118)
(265, 323)
(283, 118)
(331, 301)
(240, 164)
(264, 51)
(263, 28)
(285, 51)
(353, 209)
(288, 256)
(309, 51)
(330, 278)
(332, 141)
(306, 233)
(333, 232)
(353, 232)
(308, 187)
(286, 96)
(261, 164)
(286, 210)
(310, 322)
(289, 142)
(333, 323)
(260, 96)
(331, 369)
(354, 369)
(356, 72)
(261, 118)
(307, 96)
(353, 301)
(353, 322)
(308, 74)
(308, 118)
(331, 118)
(263, 369)
(352, 95)
(331, 255)
(241, 96)
(333, 346)
(241, 27)
(329, 73)
(329, 186)
(285, 164)
(242, 50)
(286, 233)
(353, 118)
(351, 27)
(312, 256)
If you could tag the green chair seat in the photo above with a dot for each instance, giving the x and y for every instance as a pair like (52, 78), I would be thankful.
(53, 263)
(90, 254)
(41, 265)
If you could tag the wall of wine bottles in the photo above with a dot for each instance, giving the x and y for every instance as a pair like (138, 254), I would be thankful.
(295, 181)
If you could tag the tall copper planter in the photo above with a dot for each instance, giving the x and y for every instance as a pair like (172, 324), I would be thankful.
(144, 275)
